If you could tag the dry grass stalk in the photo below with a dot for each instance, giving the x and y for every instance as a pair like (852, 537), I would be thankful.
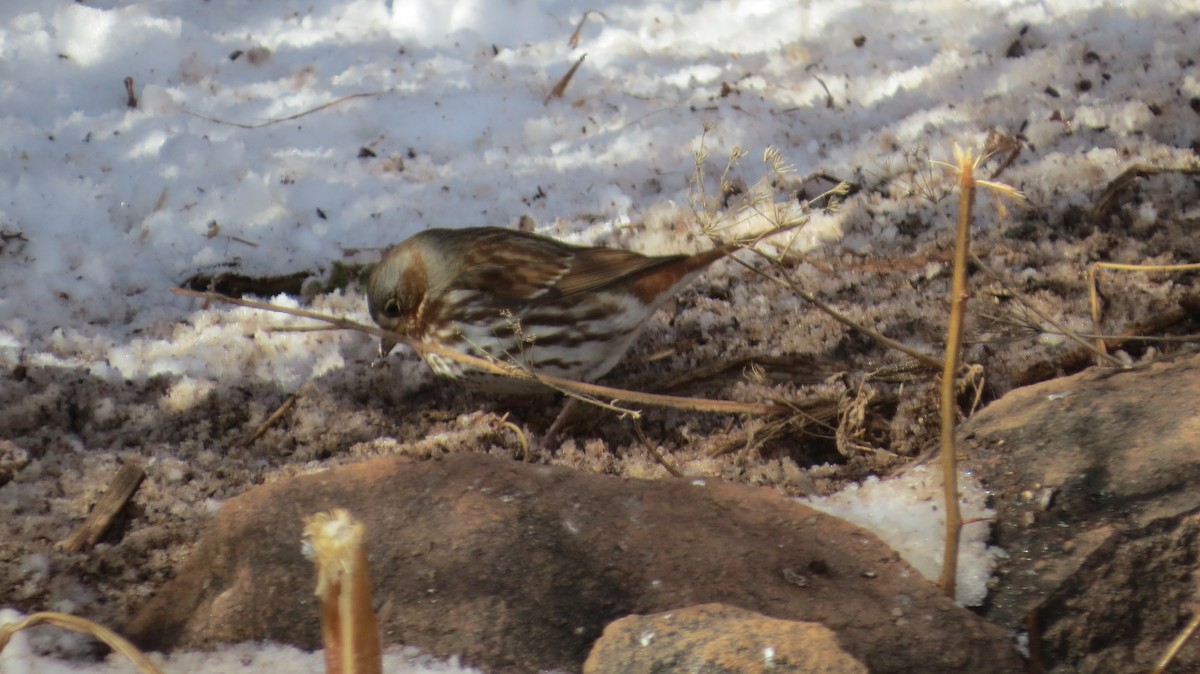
(653, 451)
(504, 369)
(965, 164)
(1108, 199)
(83, 626)
(922, 358)
(1064, 330)
(1176, 645)
(573, 41)
(120, 490)
(278, 120)
(1101, 347)
(758, 201)
(349, 631)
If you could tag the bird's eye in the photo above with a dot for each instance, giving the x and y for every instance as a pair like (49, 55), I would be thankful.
(391, 308)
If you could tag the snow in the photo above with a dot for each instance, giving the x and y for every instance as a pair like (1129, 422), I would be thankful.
(20, 657)
(907, 513)
(108, 206)
(104, 207)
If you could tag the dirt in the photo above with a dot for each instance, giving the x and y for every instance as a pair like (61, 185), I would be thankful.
(76, 429)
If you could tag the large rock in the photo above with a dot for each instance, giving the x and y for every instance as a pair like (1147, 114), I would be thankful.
(714, 638)
(518, 568)
(1097, 490)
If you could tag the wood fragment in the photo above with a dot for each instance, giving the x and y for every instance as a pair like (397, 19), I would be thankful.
(1033, 630)
(130, 97)
(233, 283)
(119, 491)
(271, 420)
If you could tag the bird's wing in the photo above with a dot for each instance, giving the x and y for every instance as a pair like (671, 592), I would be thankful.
(511, 265)
(595, 268)
(523, 267)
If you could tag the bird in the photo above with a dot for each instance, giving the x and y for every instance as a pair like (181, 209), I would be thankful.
(555, 308)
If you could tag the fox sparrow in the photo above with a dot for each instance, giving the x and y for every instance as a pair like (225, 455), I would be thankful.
(562, 310)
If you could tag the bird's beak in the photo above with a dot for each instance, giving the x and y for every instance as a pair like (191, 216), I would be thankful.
(385, 346)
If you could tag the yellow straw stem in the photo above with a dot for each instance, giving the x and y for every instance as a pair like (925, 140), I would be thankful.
(349, 630)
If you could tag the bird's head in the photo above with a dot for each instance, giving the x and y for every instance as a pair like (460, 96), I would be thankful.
(396, 292)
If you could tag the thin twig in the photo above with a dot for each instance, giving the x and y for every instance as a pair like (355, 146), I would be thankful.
(1108, 198)
(1071, 334)
(573, 41)
(637, 429)
(298, 115)
(299, 328)
(925, 359)
(503, 369)
(526, 456)
(712, 224)
(1094, 291)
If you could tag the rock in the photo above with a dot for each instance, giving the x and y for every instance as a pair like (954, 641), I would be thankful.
(1097, 490)
(518, 568)
(718, 638)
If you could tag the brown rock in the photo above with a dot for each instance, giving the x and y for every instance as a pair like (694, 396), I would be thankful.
(718, 638)
(518, 568)
(1097, 486)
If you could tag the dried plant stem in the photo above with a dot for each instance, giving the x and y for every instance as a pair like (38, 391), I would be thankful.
(85, 626)
(504, 369)
(573, 41)
(759, 202)
(954, 337)
(923, 358)
(349, 631)
(1108, 199)
(526, 456)
(1094, 293)
(298, 115)
(653, 451)
(1176, 645)
(1098, 349)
